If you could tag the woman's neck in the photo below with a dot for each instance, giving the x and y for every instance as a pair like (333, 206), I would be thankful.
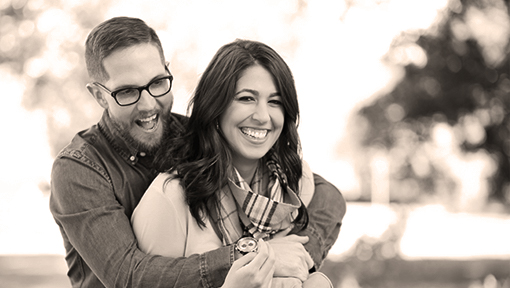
(246, 169)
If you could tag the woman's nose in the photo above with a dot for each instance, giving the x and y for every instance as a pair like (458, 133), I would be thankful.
(261, 113)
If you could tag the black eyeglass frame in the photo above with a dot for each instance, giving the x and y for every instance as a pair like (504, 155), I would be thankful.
(140, 89)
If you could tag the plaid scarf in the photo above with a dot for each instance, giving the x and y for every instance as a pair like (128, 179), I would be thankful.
(241, 206)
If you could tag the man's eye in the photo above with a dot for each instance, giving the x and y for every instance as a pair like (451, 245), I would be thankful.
(127, 92)
(158, 82)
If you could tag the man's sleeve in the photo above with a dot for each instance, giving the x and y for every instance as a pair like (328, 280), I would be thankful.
(325, 212)
(94, 223)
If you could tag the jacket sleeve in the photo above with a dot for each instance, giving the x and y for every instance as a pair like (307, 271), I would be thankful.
(325, 213)
(93, 223)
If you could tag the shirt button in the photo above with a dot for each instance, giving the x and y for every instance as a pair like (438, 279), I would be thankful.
(132, 158)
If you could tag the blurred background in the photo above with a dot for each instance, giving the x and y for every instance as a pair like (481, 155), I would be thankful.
(404, 107)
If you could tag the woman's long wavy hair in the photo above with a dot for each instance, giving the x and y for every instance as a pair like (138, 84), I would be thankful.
(202, 157)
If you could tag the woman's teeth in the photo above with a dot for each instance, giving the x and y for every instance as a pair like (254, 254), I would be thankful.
(254, 133)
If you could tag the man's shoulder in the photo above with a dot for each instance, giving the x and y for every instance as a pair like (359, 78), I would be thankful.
(182, 119)
(83, 145)
(82, 156)
(179, 122)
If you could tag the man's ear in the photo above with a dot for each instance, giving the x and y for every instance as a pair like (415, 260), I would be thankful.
(98, 95)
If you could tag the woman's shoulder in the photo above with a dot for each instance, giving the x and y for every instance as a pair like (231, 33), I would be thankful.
(166, 184)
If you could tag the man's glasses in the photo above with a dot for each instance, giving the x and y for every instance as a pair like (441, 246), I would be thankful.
(129, 96)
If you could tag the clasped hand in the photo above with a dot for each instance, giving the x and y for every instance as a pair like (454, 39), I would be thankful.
(292, 259)
(282, 256)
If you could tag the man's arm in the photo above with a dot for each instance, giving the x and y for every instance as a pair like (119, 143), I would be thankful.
(325, 211)
(94, 223)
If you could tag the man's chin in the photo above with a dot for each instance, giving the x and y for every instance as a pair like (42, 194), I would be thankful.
(146, 142)
(139, 138)
(149, 146)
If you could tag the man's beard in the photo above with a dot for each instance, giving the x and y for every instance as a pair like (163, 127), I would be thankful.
(149, 148)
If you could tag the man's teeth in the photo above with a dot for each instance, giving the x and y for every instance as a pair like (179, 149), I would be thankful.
(254, 133)
(148, 119)
(149, 122)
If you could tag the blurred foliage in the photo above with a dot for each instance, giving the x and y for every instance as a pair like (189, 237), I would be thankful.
(41, 42)
(456, 76)
(457, 80)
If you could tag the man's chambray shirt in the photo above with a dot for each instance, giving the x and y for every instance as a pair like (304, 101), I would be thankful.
(97, 181)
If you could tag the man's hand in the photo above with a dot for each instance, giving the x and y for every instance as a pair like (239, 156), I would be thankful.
(286, 282)
(292, 260)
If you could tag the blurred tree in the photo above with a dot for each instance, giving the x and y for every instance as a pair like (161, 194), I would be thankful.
(457, 73)
(42, 43)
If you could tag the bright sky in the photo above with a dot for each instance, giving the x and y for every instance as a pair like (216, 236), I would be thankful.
(335, 58)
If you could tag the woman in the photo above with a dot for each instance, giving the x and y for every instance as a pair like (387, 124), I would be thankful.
(237, 171)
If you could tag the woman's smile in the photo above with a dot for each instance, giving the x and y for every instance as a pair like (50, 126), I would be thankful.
(254, 133)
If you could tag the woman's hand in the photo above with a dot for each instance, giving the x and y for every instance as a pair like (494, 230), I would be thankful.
(254, 270)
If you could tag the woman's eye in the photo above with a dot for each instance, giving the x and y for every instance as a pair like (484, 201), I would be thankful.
(245, 98)
(275, 102)
(129, 92)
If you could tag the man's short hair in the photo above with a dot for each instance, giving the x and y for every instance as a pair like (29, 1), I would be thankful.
(114, 34)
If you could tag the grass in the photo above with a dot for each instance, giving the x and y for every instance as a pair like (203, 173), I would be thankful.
(49, 271)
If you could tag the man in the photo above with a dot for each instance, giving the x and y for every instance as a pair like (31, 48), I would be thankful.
(99, 178)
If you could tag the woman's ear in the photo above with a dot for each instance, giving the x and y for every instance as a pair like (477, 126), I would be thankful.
(98, 95)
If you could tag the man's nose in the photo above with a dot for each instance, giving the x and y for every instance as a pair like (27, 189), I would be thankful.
(146, 102)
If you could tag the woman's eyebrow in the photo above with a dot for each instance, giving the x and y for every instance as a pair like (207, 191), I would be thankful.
(254, 92)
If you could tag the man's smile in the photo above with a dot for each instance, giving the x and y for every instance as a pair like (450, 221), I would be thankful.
(149, 123)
